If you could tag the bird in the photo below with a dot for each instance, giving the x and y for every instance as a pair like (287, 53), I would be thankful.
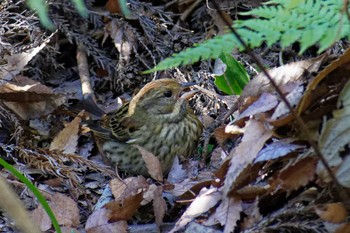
(158, 119)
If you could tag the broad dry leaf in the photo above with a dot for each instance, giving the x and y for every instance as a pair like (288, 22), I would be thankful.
(335, 133)
(29, 99)
(177, 174)
(149, 195)
(265, 103)
(253, 215)
(67, 140)
(16, 62)
(343, 174)
(128, 187)
(332, 212)
(277, 149)
(227, 213)
(98, 223)
(299, 174)
(124, 39)
(124, 209)
(343, 228)
(306, 100)
(283, 76)
(244, 154)
(293, 98)
(153, 164)
(65, 210)
(159, 205)
(250, 192)
(206, 199)
(43, 220)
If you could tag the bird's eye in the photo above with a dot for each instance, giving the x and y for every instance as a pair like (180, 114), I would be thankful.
(168, 93)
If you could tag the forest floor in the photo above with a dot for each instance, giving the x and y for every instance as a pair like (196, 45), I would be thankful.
(256, 169)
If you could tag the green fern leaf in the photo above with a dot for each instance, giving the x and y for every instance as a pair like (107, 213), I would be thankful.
(308, 22)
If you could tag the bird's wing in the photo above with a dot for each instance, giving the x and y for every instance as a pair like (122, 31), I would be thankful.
(122, 125)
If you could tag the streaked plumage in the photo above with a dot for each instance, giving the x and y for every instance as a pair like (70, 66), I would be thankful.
(158, 119)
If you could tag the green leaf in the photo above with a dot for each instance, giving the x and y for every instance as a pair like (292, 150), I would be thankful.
(35, 191)
(308, 22)
(234, 78)
(80, 6)
(40, 8)
(125, 10)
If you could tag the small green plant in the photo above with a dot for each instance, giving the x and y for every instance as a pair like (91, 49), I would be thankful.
(234, 77)
(41, 9)
(308, 22)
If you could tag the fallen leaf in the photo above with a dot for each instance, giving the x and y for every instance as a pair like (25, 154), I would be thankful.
(265, 103)
(124, 209)
(293, 98)
(65, 210)
(282, 76)
(335, 134)
(41, 219)
(29, 99)
(153, 164)
(159, 205)
(128, 187)
(244, 154)
(177, 174)
(299, 174)
(227, 214)
(120, 227)
(16, 62)
(277, 149)
(67, 140)
(332, 212)
(206, 199)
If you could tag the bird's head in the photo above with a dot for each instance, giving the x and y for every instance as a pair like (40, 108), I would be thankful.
(161, 97)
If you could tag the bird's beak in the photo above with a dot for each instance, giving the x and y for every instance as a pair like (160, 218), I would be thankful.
(187, 94)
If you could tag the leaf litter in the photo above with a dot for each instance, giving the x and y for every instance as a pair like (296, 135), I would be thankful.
(262, 177)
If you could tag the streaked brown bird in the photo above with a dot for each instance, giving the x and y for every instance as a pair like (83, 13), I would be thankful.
(158, 119)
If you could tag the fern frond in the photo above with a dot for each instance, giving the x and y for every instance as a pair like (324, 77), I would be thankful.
(286, 21)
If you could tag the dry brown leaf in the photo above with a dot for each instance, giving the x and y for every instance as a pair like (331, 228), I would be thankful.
(223, 133)
(265, 103)
(123, 37)
(299, 174)
(67, 139)
(43, 220)
(306, 100)
(120, 226)
(253, 215)
(227, 213)
(283, 76)
(344, 228)
(334, 137)
(113, 6)
(124, 209)
(277, 149)
(332, 212)
(148, 196)
(128, 187)
(16, 62)
(65, 210)
(293, 98)
(177, 173)
(244, 154)
(159, 205)
(250, 192)
(29, 99)
(206, 199)
(153, 164)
